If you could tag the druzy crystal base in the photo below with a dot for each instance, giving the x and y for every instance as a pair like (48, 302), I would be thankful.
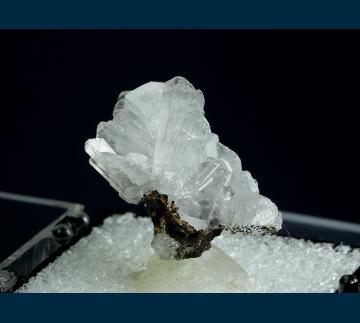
(117, 257)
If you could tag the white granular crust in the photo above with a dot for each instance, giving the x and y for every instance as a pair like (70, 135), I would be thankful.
(106, 259)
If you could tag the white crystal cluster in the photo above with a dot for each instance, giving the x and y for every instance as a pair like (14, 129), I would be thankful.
(160, 140)
(117, 257)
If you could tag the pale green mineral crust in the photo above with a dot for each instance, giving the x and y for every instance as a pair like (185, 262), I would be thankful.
(215, 271)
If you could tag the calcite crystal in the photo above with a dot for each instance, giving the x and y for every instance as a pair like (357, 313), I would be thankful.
(159, 150)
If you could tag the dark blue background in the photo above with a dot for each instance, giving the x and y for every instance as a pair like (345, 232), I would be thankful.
(179, 308)
(180, 14)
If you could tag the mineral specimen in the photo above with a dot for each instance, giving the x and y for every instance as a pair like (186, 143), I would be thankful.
(159, 150)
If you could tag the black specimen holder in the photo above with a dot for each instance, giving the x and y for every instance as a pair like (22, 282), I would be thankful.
(70, 224)
(65, 223)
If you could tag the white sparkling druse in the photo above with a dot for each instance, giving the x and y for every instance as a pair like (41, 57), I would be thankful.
(117, 257)
(160, 140)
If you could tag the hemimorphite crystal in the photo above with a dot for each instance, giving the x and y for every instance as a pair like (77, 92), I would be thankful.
(159, 140)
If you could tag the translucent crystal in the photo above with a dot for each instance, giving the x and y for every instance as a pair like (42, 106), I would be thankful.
(213, 271)
(160, 140)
